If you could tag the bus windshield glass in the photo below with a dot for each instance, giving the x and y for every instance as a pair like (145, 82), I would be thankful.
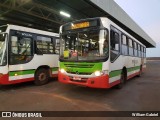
(88, 45)
(2, 49)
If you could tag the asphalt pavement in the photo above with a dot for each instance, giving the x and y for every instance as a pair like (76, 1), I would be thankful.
(138, 94)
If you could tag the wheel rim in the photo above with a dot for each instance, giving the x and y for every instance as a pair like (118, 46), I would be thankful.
(42, 77)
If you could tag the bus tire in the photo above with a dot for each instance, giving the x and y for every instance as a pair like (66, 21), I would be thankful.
(122, 81)
(41, 76)
(140, 72)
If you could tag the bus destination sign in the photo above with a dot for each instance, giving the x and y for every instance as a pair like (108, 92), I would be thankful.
(80, 25)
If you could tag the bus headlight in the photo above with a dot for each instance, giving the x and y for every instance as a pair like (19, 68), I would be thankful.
(62, 70)
(98, 73)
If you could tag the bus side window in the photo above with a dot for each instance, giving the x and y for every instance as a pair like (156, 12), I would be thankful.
(131, 53)
(57, 46)
(21, 50)
(135, 48)
(144, 52)
(114, 40)
(124, 45)
(44, 45)
(139, 51)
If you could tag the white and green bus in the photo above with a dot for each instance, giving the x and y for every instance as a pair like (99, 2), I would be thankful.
(98, 53)
(27, 54)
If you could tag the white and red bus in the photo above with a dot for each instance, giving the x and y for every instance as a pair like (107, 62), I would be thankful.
(98, 53)
(27, 54)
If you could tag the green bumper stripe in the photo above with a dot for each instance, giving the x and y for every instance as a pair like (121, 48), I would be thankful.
(25, 72)
(114, 73)
(55, 69)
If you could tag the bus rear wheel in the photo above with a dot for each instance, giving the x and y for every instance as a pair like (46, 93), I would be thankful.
(122, 81)
(41, 77)
(140, 72)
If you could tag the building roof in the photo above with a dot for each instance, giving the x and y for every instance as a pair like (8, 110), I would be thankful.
(118, 15)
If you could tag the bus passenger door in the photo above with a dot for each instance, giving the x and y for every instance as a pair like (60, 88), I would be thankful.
(114, 47)
(21, 46)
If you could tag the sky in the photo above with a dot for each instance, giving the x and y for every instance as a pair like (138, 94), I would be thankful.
(146, 13)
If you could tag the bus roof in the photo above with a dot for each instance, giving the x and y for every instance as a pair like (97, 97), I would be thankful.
(21, 28)
(121, 18)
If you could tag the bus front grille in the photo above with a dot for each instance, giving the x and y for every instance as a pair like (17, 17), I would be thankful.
(79, 73)
(77, 65)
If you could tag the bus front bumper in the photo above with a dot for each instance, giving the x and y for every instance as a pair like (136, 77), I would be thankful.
(3, 79)
(94, 82)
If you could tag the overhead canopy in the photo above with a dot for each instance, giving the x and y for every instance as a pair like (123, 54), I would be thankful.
(44, 14)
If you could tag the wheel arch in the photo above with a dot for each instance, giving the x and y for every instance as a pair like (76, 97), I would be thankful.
(44, 67)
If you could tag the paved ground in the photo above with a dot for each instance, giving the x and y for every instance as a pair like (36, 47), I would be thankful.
(138, 94)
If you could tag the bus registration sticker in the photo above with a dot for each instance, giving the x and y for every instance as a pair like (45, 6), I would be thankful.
(77, 78)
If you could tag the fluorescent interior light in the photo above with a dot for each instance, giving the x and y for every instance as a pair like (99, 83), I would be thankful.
(65, 14)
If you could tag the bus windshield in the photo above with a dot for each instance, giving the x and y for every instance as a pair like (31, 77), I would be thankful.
(88, 45)
(2, 50)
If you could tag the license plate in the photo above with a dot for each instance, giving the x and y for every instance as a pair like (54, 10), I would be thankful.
(76, 78)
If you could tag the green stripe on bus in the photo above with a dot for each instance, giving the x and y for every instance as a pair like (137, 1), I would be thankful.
(133, 69)
(115, 73)
(25, 72)
(118, 72)
(54, 69)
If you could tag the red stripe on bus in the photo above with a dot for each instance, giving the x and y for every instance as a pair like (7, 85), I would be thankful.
(114, 83)
(95, 82)
(4, 80)
(54, 75)
(132, 75)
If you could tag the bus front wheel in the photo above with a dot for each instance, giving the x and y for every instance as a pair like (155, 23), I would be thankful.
(41, 76)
